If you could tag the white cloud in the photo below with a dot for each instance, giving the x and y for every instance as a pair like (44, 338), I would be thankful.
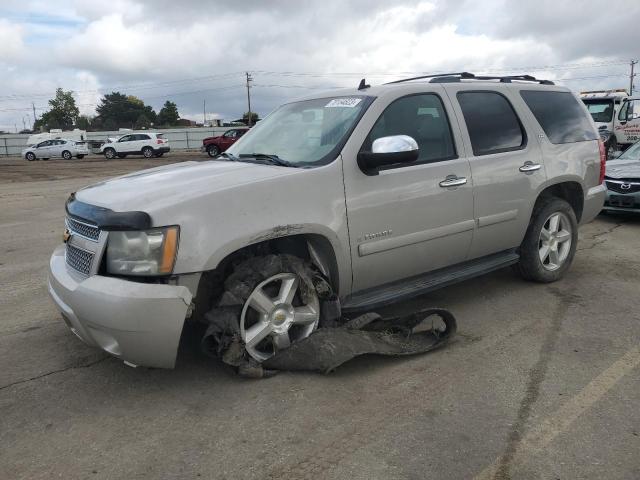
(176, 50)
(11, 42)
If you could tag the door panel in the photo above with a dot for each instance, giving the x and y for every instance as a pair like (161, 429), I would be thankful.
(124, 144)
(627, 127)
(506, 166)
(402, 222)
(44, 149)
(57, 147)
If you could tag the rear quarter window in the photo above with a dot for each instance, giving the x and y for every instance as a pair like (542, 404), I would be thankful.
(160, 135)
(492, 122)
(560, 115)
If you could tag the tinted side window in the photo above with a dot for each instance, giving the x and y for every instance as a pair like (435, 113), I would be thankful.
(492, 123)
(143, 136)
(423, 118)
(560, 115)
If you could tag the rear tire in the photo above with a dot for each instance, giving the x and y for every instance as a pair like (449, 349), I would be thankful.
(147, 152)
(109, 153)
(550, 243)
(213, 151)
(79, 157)
(67, 155)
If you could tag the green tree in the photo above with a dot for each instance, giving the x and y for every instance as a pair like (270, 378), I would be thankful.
(142, 122)
(254, 118)
(117, 110)
(168, 114)
(63, 112)
(83, 122)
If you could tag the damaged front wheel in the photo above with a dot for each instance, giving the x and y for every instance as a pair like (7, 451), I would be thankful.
(276, 314)
(269, 303)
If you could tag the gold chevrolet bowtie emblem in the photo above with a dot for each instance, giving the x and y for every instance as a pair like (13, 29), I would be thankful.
(66, 235)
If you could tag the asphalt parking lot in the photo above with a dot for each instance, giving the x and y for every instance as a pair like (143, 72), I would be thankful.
(541, 382)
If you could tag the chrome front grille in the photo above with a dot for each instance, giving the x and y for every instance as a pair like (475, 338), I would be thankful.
(78, 259)
(86, 230)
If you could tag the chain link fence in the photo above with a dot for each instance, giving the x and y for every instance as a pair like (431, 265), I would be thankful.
(181, 139)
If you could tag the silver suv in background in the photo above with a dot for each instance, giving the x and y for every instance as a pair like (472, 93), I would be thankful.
(147, 144)
(370, 195)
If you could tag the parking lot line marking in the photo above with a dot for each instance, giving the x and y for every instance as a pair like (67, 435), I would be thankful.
(543, 434)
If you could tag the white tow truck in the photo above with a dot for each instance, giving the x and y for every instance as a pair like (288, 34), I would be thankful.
(617, 116)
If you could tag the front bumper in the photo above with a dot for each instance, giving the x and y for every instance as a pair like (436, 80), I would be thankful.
(628, 202)
(139, 323)
(593, 202)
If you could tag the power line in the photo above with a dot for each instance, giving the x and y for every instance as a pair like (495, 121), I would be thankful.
(142, 86)
(221, 76)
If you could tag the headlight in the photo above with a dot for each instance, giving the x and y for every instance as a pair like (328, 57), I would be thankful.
(145, 253)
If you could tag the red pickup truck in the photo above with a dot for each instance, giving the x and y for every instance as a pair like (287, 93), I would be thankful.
(216, 145)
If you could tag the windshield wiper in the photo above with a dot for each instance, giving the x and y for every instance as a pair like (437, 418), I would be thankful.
(271, 159)
(228, 156)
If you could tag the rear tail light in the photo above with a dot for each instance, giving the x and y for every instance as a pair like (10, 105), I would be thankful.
(603, 160)
(161, 141)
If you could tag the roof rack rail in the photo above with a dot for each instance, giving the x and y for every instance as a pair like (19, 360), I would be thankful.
(456, 77)
(458, 74)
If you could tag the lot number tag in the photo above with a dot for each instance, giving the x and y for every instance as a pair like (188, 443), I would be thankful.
(343, 102)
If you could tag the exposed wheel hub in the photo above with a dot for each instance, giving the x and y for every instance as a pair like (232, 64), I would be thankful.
(276, 314)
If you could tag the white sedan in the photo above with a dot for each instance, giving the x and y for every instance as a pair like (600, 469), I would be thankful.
(59, 147)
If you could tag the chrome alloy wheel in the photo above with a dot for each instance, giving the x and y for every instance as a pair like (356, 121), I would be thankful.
(554, 243)
(276, 315)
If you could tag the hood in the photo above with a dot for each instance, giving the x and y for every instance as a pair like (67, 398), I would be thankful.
(618, 169)
(208, 139)
(151, 190)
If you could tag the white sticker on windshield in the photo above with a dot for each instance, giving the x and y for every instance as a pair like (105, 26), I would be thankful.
(343, 102)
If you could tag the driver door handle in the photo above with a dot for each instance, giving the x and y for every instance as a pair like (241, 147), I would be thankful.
(530, 167)
(453, 182)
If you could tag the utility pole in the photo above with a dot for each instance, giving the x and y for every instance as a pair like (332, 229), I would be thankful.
(249, 80)
(34, 115)
(632, 63)
(204, 113)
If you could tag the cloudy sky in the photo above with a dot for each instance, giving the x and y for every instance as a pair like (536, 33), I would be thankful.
(190, 51)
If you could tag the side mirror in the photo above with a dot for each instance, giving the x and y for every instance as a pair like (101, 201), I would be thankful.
(396, 149)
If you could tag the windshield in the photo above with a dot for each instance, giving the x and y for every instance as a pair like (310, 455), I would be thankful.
(306, 133)
(600, 110)
(631, 153)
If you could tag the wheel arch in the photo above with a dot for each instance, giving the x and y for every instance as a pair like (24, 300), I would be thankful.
(313, 247)
(570, 191)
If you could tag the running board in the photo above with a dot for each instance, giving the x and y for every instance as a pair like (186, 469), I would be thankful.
(405, 289)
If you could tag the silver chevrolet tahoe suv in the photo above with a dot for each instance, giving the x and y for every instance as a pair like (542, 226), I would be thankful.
(368, 196)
